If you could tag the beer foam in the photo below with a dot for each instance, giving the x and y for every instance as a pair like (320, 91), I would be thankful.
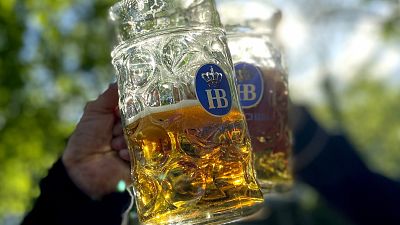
(165, 108)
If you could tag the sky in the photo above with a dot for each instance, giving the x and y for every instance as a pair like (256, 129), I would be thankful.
(340, 44)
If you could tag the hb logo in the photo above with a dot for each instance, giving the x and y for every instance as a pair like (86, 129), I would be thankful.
(218, 96)
(250, 84)
(247, 92)
(213, 91)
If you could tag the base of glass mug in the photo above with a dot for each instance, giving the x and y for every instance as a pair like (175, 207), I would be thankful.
(282, 186)
(227, 212)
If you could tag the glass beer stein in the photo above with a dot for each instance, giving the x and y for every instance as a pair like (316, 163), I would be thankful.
(262, 87)
(191, 156)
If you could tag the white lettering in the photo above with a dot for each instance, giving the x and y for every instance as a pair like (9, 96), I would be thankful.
(218, 95)
(247, 92)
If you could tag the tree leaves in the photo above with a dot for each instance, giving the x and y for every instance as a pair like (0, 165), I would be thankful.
(54, 56)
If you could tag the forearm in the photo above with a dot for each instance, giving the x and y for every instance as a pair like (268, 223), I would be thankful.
(337, 172)
(62, 203)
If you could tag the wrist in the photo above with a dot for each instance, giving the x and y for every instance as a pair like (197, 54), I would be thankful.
(66, 201)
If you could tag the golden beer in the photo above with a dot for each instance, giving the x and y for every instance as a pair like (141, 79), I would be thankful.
(190, 166)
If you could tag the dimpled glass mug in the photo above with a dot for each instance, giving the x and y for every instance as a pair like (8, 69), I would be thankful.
(191, 154)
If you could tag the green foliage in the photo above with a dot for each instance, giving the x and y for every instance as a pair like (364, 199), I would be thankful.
(391, 27)
(370, 116)
(54, 56)
(374, 123)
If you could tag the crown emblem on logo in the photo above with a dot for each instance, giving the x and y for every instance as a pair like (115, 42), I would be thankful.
(212, 78)
(243, 75)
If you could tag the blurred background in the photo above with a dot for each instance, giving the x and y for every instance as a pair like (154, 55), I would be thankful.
(343, 58)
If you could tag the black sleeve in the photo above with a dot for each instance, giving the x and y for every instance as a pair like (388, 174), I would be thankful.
(62, 203)
(338, 173)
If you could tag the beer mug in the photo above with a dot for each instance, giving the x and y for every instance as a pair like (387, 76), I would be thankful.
(262, 84)
(191, 155)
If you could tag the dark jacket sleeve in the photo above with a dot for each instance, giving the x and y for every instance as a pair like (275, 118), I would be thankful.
(338, 173)
(62, 203)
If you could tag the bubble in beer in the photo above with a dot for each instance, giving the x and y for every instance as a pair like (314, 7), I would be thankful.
(231, 153)
(195, 148)
(184, 183)
(251, 188)
(273, 164)
(229, 175)
(147, 193)
(212, 192)
(154, 146)
(234, 134)
(204, 137)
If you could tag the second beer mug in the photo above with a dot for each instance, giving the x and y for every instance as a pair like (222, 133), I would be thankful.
(190, 150)
(262, 87)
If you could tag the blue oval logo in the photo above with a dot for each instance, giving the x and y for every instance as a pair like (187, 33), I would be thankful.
(250, 84)
(213, 90)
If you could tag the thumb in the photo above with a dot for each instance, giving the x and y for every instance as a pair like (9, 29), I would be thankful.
(106, 102)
